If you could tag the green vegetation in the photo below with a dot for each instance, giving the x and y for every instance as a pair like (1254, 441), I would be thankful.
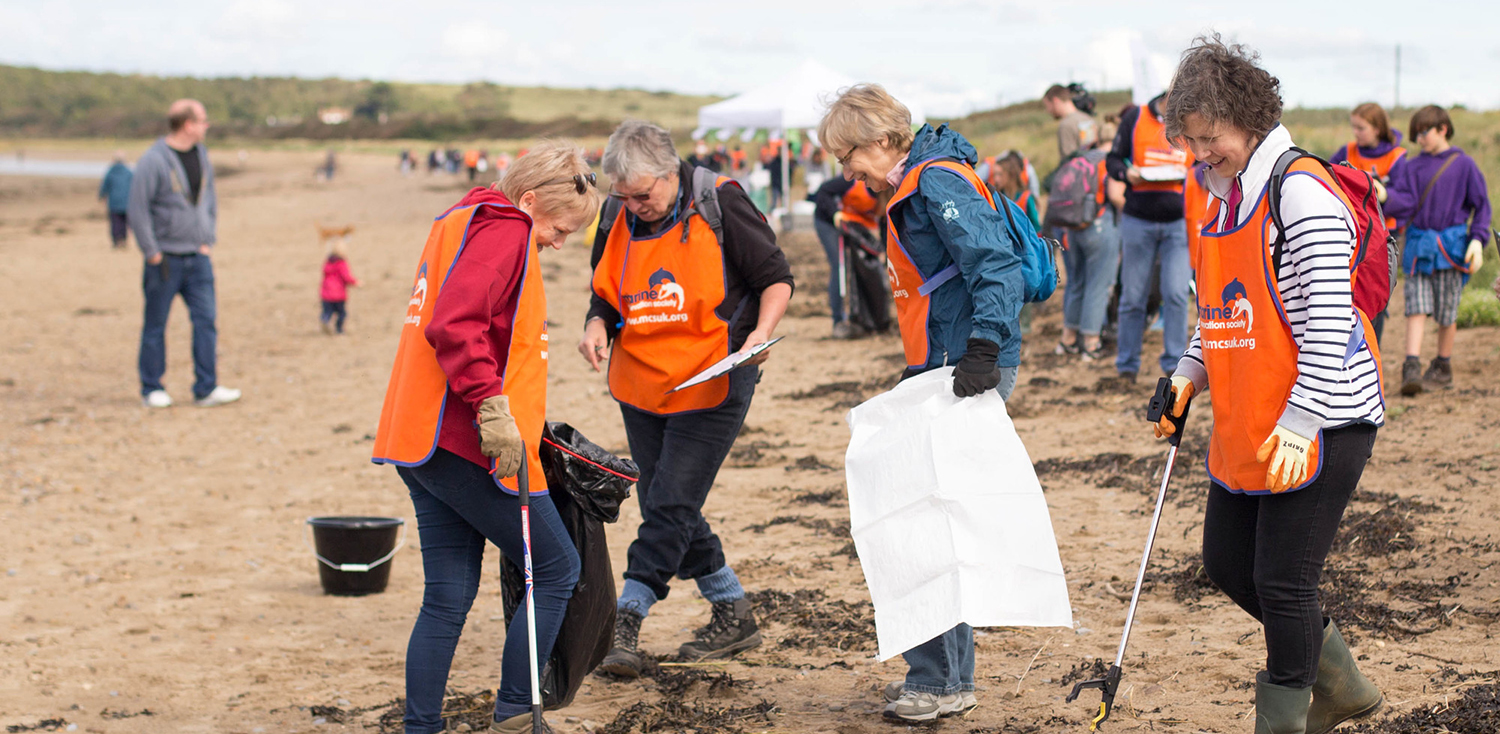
(37, 103)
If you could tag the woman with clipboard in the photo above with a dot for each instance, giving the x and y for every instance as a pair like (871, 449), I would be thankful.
(686, 272)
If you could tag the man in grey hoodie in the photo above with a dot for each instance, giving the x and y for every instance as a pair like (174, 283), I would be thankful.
(173, 211)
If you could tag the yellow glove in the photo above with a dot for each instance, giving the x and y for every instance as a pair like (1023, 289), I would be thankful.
(499, 438)
(1182, 392)
(1289, 466)
(1380, 193)
(1474, 257)
(838, 219)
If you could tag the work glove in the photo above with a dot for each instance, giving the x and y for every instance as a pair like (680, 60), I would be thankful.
(1287, 452)
(499, 438)
(1380, 192)
(838, 219)
(977, 372)
(1182, 393)
(1474, 257)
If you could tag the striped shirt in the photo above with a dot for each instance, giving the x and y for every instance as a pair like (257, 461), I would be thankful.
(1333, 388)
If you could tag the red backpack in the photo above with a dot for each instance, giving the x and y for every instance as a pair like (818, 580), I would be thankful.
(1374, 266)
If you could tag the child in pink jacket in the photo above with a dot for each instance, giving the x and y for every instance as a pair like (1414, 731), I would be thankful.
(336, 279)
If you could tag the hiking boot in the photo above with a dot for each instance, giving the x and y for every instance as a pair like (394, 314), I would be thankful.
(1411, 377)
(624, 658)
(1127, 377)
(1278, 709)
(895, 688)
(731, 630)
(921, 706)
(1341, 692)
(1439, 374)
(520, 724)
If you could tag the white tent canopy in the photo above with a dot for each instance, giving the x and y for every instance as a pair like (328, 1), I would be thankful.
(795, 101)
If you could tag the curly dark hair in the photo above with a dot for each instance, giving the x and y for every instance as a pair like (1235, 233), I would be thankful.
(1224, 83)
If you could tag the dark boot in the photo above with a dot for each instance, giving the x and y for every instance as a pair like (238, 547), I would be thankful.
(1411, 376)
(1342, 692)
(624, 659)
(731, 630)
(1439, 374)
(1278, 709)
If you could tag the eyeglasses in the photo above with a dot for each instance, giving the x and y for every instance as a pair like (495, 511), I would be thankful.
(637, 198)
(844, 159)
(580, 182)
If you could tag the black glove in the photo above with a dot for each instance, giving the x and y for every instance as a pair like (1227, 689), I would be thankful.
(977, 372)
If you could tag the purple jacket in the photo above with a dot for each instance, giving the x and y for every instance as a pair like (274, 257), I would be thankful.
(1459, 197)
(1341, 155)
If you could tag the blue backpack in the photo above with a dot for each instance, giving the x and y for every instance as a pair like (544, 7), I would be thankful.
(1038, 264)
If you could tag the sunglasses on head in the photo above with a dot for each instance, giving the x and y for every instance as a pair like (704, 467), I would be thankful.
(580, 182)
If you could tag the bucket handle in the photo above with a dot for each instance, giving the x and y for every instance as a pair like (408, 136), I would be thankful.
(352, 567)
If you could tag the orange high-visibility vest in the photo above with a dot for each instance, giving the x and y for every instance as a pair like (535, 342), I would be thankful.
(1194, 207)
(858, 205)
(1149, 147)
(1248, 347)
(411, 418)
(1379, 166)
(667, 287)
(910, 288)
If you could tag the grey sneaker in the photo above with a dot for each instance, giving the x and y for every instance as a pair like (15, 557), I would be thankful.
(893, 690)
(730, 631)
(920, 706)
(624, 658)
(518, 725)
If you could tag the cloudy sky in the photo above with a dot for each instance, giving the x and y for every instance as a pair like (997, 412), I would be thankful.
(950, 55)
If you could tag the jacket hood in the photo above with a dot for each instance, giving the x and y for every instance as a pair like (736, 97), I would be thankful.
(1381, 149)
(930, 143)
(483, 195)
(1257, 172)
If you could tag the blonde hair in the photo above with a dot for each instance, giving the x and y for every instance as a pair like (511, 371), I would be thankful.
(339, 248)
(547, 170)
(865, 114)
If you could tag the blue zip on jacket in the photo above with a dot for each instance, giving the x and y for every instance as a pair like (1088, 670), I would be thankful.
(945, 222)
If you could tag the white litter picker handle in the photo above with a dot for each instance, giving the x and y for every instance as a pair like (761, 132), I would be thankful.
(353, 567)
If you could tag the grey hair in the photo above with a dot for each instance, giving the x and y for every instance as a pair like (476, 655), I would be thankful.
(638, 148)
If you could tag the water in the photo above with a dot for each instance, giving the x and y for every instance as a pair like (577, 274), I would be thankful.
(12, 166)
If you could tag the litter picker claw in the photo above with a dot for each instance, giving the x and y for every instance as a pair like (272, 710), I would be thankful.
(1161, 405)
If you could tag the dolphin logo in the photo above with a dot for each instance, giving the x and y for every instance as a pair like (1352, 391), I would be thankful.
(1242, 307)
(419, 291)
(890, 272)
(1233, 292)
(667, 287)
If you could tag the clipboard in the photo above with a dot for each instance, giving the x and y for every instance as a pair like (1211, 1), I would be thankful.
(1163, 173)
(725, 365)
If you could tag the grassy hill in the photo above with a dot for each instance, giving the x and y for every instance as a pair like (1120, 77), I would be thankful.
(36, 102)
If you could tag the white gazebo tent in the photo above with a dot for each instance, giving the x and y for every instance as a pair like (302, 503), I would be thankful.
(795, 101)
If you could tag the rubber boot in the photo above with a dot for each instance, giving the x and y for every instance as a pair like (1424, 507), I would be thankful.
(1342, 692)
(1278, 709)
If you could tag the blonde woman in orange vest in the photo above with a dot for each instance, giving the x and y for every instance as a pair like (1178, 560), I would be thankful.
(468, 390)
(686, 271)
(1376, 148)
(1295, 372)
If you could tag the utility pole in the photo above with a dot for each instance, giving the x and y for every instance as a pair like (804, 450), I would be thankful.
(1398, 76)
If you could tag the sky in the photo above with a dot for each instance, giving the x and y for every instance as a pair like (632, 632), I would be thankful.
(950, 56)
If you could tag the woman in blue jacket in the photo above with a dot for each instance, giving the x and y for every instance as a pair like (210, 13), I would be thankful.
(956, 280)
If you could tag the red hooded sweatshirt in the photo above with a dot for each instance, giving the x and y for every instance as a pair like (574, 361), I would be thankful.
(471, 320)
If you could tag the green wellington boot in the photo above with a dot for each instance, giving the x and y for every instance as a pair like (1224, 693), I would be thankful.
(1278, 709)
(1342, 692)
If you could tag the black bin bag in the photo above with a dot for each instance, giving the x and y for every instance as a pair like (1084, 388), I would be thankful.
(587, 485)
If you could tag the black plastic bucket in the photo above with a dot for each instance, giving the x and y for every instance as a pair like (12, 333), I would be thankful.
(354, 553)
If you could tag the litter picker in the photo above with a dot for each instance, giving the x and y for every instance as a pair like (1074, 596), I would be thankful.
(1161, 405)
(844, 273)
(523, 483)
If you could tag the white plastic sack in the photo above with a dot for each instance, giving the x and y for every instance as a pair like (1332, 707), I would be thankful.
(948, 516)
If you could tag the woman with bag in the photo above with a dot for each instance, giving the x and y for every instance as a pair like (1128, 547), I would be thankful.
(463, 416)
(957, 283)
(1301, 364)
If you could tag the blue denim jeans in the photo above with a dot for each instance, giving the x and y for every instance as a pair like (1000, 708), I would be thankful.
(459, 507)
(192, 276)
(945, 664)
(1141, 243)
(828, 236)
(679, 457)
(1092, 259)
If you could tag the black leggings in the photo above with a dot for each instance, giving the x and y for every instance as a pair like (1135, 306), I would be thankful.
(1267, 551)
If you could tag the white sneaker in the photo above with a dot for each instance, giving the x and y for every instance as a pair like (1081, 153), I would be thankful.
(919, 706)
(157, 399)
(220, 396)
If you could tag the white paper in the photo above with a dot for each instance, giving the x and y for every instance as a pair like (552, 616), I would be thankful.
(723, 366)
(948, 517)
(1165, 172)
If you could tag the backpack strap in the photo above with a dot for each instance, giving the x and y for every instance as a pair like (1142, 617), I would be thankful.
(1278, 172)
(609, 214)
(705, 193)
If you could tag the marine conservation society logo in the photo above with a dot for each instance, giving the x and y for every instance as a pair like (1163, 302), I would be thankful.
(1215, 323)
(662, 292)
(418, 298)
